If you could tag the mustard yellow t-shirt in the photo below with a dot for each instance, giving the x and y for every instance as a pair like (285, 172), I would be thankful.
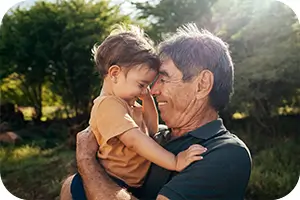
(110, 117)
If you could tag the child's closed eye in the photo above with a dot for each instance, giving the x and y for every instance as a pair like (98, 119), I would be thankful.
(141, 85)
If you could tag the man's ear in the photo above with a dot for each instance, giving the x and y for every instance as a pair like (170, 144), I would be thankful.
(113, 72)
(204, 84)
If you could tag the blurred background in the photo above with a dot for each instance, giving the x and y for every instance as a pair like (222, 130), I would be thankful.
(48, 81)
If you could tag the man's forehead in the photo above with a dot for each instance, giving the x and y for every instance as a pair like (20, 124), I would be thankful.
(166, 66)
(169, 69)
(167, 62)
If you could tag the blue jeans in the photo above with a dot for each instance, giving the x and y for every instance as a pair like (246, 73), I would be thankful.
(77, 189)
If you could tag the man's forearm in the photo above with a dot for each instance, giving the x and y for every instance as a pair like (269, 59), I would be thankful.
(97, 184)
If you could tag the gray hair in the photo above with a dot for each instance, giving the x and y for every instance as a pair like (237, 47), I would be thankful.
(193, 50)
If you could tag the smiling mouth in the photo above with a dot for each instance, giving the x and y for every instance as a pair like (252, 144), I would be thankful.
(162, 103)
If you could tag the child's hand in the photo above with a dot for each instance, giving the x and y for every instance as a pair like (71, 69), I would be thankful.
(146, 93)
(192, 154)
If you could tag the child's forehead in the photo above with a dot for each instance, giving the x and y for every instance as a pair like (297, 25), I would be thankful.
(142, 69)
(142, 73)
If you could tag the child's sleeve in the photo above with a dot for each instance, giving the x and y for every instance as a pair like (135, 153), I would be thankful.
(111, 118)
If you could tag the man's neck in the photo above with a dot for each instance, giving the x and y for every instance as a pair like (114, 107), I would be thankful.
(197, 121)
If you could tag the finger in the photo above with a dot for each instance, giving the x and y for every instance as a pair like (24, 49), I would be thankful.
(195, 146)
(202, 149)
(194, 158)
(195, 152)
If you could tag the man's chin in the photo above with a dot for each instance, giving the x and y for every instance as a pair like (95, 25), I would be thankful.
(165, 119)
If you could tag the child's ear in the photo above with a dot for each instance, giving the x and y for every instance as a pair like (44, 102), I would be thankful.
(113, 72)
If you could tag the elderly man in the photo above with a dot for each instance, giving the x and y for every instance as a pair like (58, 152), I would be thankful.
(194, 84)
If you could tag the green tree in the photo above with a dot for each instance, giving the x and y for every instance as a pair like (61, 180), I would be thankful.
(167, 15)
(84, 24)
(22, 48)
(51, 43)
(265, 50)
(264, 42)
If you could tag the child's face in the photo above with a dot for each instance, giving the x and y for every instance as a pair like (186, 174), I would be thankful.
(131, 85)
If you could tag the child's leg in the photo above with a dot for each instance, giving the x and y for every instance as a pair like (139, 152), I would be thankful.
(121, 183)
(77, 189)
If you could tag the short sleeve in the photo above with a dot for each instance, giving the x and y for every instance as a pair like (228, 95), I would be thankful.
(222, 175)
(111, 118)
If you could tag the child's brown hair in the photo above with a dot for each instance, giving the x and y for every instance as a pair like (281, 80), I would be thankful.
(126, 47)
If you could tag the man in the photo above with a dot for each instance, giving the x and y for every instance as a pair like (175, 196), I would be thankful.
(195, 83)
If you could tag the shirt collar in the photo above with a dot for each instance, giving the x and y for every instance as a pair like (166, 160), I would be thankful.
(209, 130)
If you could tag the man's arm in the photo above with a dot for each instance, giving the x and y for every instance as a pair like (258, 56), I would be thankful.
(96, 183)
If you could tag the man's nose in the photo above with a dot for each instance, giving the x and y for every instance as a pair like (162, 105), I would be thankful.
(155, 89)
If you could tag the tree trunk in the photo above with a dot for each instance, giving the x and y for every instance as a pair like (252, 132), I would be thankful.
(38, 104)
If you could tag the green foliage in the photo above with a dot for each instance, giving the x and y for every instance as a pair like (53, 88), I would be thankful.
(11, 91)
(167, 15)
(275, 158)
(44, 136)
(264, 43)
(275, 171)
(50, 44)
(73, 76)
(266, 57)
(23, 41)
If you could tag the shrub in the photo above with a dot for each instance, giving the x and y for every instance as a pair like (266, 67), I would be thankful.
(275, 171)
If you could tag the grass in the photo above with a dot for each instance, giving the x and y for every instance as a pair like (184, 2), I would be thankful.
(31, 173)
(35, 169)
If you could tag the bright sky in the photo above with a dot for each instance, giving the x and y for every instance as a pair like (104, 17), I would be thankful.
(126, 6)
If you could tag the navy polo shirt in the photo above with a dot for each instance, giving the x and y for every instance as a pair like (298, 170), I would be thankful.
(222, 174)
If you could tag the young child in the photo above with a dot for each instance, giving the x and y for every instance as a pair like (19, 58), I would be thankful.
(122, 127)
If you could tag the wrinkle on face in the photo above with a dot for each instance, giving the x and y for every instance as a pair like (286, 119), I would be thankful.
(182, 112)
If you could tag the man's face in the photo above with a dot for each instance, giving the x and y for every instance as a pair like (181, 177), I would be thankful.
(175, 98)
